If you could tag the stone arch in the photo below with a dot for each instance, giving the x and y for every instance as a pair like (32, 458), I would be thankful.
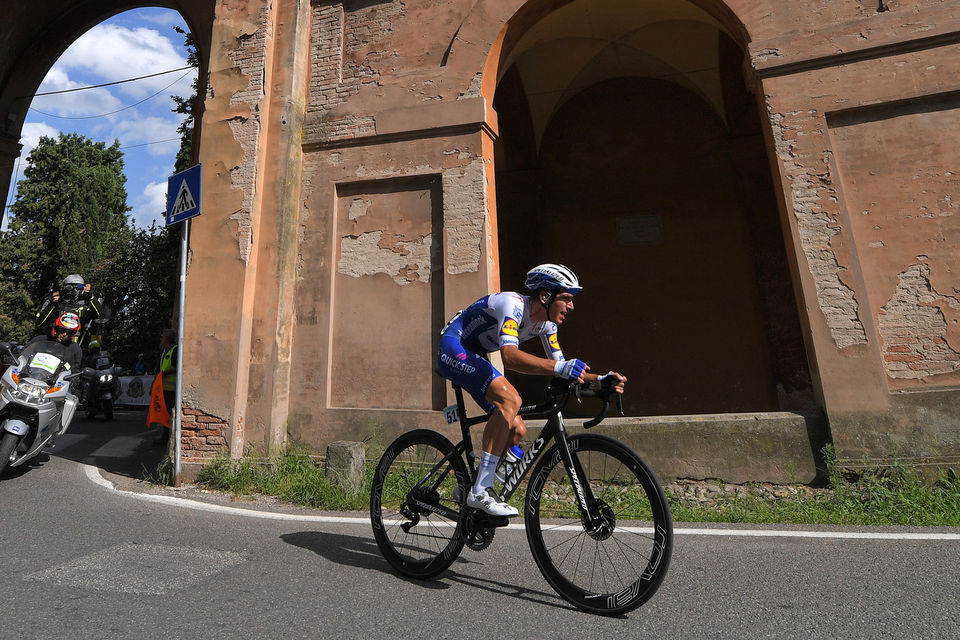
(490, 31)
(37, 35)
(591, 97)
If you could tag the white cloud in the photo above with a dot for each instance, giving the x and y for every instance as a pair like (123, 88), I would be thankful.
(113, 52)
(150, 205)
(30, 136)
(138, 130)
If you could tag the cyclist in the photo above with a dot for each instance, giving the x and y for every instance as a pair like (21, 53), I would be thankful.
(500, 322)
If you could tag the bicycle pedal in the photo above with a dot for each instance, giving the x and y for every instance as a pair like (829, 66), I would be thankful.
(486, 520)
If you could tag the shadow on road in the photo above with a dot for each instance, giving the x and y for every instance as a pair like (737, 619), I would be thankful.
(122, 446)
(363, 553)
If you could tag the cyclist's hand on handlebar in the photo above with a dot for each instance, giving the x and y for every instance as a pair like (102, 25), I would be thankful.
(571, 369)
(613, 380)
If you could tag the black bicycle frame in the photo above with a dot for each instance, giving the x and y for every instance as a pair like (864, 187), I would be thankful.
(553, 430)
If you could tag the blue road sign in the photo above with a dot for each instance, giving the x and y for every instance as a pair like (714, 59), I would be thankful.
(183, 195)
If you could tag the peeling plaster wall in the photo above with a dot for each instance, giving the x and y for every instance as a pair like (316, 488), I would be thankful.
(397, 106)
(371, 253)
(899, 163)
(465, 206)
(866, 148)
(215, 348)
(914, 328)
(813, 199)
(405, 235)
(249, 56)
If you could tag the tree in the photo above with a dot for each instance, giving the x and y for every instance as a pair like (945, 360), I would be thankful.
(145, 284)
(18, 281)
(69, 216)
(186, 106)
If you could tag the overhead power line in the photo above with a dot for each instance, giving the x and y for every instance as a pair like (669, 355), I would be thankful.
(106, 84)
(102, 115)
(144, 144)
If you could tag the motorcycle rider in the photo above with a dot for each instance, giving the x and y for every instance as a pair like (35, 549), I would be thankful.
(60, 343)
(74, 296)
(96, 358)
(61, 336)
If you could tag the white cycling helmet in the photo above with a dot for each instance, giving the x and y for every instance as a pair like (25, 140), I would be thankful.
(552, 277)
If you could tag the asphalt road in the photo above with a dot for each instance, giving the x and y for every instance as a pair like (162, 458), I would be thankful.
(84, 557)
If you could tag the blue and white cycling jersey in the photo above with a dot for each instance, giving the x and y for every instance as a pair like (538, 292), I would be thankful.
(489, 324)
(502, 319)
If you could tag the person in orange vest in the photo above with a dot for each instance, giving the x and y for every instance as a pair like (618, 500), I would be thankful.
(168, 375)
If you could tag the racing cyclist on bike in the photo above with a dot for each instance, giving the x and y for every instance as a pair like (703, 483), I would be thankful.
(500, 322)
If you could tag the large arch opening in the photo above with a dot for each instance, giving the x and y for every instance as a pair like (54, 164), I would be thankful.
(641, 164)
(37, 35)
(90, 129)
(92, 98)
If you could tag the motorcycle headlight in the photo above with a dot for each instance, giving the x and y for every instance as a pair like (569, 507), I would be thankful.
(107, 377)
(29, 392)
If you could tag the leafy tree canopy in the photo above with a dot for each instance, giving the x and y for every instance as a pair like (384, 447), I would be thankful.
(69, 216)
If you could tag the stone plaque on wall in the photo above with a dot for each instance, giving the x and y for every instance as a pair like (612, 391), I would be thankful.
(640, 228)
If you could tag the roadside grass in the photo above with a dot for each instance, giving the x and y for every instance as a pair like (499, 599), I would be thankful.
(294, 477)
(891, 496)
(896, 495)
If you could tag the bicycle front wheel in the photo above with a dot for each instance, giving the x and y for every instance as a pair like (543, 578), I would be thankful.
(415, 503)
(615, 563)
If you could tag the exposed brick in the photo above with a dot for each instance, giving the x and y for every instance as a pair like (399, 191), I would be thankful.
(912, 327)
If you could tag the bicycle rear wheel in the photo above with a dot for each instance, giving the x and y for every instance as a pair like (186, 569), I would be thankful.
(608, 567)
(415, 503)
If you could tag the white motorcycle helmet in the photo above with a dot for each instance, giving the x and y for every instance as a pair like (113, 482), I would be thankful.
(71, 287)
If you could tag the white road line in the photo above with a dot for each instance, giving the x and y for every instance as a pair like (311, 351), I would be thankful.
(855, 535)
(93, 473)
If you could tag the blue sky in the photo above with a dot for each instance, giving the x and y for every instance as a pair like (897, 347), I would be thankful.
(131, 44)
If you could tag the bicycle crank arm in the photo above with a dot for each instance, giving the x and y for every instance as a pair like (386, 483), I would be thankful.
(433, 508)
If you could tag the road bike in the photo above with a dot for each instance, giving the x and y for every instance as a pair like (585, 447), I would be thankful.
(597, 521)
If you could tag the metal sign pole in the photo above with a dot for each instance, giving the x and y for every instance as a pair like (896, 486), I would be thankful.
(183, 203)
(179, 402)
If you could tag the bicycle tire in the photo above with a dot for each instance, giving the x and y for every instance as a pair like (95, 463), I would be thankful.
(433, 542)
(609, 575)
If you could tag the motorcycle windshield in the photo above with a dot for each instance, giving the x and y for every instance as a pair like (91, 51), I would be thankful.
(43, 366)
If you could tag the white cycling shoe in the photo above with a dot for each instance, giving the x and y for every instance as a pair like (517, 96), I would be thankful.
(489, 502)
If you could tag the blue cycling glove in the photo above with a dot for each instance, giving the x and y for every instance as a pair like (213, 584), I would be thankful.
(569, 369)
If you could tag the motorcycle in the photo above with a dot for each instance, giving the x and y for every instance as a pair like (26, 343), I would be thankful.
(35, 405)
(101, 387)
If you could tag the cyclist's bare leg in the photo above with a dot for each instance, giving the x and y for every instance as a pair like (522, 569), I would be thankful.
(505, 427)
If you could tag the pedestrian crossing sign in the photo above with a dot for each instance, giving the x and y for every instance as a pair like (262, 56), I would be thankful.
(183, 195)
